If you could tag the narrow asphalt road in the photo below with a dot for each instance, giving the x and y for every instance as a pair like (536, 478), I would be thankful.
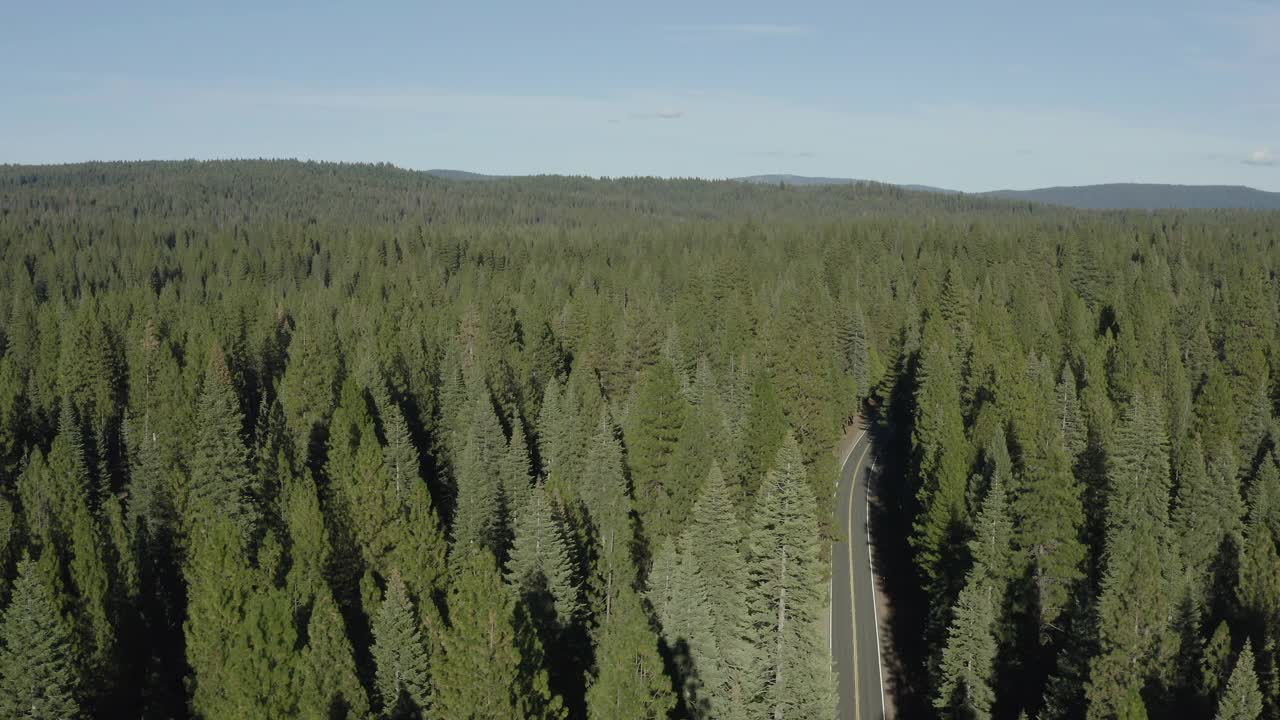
(855, 646)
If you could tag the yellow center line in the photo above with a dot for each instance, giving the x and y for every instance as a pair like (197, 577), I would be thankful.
(853, 614)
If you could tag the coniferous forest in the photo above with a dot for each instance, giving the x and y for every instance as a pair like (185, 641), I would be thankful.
(284, 439)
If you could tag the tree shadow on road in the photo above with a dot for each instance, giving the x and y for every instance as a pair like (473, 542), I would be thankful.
(904, 605)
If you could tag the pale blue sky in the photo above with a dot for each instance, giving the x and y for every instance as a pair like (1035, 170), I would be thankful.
(972, 96)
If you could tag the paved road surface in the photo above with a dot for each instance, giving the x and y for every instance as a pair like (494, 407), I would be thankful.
(855, 647)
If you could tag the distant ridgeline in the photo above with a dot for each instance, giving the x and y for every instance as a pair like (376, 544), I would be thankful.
(285, 439)
(1114, 196)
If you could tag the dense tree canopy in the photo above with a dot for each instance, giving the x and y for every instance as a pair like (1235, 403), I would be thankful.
(295, 439)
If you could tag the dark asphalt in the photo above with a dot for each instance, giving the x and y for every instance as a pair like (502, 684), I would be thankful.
(853, 629)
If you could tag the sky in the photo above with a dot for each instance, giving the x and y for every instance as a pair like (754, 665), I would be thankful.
(970, 96)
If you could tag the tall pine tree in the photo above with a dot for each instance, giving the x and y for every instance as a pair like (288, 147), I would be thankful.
(1242, 699)
(968, 658)
(403, 679)
(1137, 599)
(39, 675)
(793, 671)
(629, 682)
(493, 662)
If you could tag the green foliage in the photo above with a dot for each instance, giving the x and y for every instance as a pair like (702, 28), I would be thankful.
(604, 495)
(1214, 663)
(1048, 519)
(328, 685)
(943, 461)
(540, 567)
(220, 483)
(629, 682)
(968, 658)
(403, 679)
(493, 662)
(1206, 517)
(715, 556)
(478, 522)
(39, 675)
(1139, 581)
(238, 398)
(792, 672)
(515, 473)
(654, 431)
(1242, 700)
(219, 585)
(762, 435)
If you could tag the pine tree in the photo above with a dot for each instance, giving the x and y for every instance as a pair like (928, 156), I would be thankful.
(13, 417)
(328, 684)
(1242, 699)
(8, 536)
(540, 567)
(661, 583)
(399, 455)
(515, 473)
(603, 490)
(261, 678)
(373, 501)
(52, 489)
(220, 476)
(1048, 519)
(38, 670)
(855, 348)
(310, 383)
(219, 583)
(691, 636)
(763, 430)
(1138, 582)
(709, 415)
(968, 658)
(629, 682)
(403, 679)
(793, 673)
(350, 423)
(554, 427)
(690, 462)
(492, 665)
(1064, 692)
(1214, 661)
(653, 433)
(1206, 514)
(803, 359)
(55, 498)
(90, 580)
(943, 463)
(1258, 587)
(419, 549)
(478, 470)
(714, 541)
(151, 510)
(1069, 414)
(309, 547)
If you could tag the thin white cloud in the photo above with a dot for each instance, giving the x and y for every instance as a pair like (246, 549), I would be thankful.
(766, 30)
(1263, 157)
(744, 31)
(663, 114)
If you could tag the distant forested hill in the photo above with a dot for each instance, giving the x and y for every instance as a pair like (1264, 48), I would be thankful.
(796, 180)
(462, 175)
(1114, 196)
(284, 439)
(1148, 196)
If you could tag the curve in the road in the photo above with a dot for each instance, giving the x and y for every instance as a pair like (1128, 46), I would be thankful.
(855, 643)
